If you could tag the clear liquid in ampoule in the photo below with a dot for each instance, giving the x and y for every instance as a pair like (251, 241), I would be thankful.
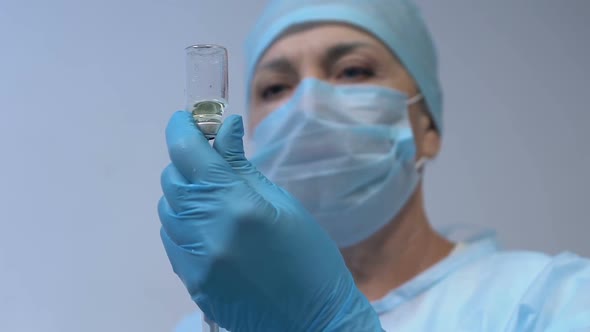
(208, 116)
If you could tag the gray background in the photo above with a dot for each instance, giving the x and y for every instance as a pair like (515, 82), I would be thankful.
(86, 88)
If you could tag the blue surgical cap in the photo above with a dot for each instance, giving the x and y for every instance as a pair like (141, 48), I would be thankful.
(397, 23)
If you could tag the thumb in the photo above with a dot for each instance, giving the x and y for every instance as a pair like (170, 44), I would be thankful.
(229, 145)
(191, 153)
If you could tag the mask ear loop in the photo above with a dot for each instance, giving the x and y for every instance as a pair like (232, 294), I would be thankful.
(420, 163)
(414, 99)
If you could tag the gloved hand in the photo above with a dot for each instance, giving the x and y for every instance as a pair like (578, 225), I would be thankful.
(250, 256)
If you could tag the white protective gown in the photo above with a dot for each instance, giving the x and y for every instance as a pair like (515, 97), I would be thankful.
(479, 288)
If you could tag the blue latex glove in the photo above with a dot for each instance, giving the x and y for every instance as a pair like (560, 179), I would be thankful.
(250, 256)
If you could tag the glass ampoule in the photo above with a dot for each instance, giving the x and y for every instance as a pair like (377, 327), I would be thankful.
(206, 86)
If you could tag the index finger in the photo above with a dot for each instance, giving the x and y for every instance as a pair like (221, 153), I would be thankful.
(190, 151)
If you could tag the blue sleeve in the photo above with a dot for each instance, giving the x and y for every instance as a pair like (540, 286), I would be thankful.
(558, 299)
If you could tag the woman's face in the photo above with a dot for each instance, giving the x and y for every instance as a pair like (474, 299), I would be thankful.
(335, 53)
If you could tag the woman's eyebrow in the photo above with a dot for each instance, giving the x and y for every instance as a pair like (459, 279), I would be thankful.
(334, 53)
(281, 64)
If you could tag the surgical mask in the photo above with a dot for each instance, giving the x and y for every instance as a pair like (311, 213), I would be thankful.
(347, 153)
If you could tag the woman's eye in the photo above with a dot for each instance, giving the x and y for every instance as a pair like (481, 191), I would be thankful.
(273, 91)
(355, 73)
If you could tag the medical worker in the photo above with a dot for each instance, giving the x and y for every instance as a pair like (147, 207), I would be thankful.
(324, 228)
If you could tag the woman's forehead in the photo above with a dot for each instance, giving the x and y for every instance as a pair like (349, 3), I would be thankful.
(317, 38)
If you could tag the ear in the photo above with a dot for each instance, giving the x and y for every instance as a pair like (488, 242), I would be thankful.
(430, 140)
